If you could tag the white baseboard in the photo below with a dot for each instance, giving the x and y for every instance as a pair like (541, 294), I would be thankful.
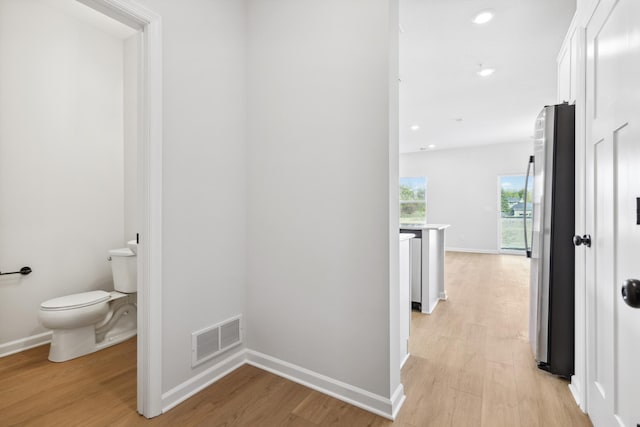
(475, 251)
(22, 344)
(428, 309)
(193, 385)
(512, 252)
(576, 392)
(404, 360)
(397, 399)
(355, 396)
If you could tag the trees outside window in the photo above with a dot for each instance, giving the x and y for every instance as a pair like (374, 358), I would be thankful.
(413, 201)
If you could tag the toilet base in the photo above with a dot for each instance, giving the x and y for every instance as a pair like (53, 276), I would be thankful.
(124, 328)
(113, 340)
(67, 344)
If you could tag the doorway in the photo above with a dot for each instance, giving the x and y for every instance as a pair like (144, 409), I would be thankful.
(62, 125)
(515, 213)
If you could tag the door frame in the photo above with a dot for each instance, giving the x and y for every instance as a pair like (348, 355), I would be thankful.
(578, 385)
(574, 50)
(149, 183)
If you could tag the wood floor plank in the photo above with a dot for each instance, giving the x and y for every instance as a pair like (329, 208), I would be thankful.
(431, 397)
(467, 411)
(470, 376)
(314, 408)
(499, 400)
(345, 415)
(470, 365)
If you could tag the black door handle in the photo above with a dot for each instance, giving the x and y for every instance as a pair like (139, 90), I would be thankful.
(582, 240)
(631, 292)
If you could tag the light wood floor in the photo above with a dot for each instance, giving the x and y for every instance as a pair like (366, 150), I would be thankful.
(470, 366)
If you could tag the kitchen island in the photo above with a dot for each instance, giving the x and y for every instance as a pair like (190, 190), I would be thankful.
(427, 272)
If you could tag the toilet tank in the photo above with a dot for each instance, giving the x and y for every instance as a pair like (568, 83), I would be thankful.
(124, 267)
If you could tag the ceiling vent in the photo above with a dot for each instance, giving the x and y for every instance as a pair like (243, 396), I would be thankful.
(209, 342)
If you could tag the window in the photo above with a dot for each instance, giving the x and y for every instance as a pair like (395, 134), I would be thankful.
(413, 201)
(514, 210)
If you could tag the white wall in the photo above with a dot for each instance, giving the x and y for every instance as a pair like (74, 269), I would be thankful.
(130, 136)
(61, 160)
(394, 292)
(318, 176)
(462, 189)
(204, 169)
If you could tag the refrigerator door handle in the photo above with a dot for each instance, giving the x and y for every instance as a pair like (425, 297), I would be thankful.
(524, 216)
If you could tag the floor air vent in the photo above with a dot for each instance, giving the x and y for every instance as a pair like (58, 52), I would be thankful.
(209, 342)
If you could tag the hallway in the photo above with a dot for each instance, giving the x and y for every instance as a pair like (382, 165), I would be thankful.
(471, 362)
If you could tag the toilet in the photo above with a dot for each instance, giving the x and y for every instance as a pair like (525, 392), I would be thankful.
(90, 321)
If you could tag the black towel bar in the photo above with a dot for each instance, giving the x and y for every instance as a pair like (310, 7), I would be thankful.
(24, 271)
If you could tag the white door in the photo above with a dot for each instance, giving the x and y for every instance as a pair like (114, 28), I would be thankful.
(613, 184)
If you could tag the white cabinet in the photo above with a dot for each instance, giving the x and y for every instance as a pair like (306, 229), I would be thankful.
(568, 65)
(428, 265)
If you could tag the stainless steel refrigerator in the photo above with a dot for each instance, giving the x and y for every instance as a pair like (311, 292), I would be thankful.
(550, 242)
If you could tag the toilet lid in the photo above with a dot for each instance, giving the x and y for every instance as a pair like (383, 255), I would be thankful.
(121, 252)
(76, 300)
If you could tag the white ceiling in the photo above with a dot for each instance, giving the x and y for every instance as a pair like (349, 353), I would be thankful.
(440, 53)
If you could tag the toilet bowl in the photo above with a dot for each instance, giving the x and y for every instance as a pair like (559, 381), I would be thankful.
(90, 321)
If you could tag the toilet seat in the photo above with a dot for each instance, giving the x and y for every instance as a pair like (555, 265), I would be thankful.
(68, 302)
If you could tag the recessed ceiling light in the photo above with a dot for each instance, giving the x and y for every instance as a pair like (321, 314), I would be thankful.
(485, 72)
(483, 17)
(432, 145)
(415, 127)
